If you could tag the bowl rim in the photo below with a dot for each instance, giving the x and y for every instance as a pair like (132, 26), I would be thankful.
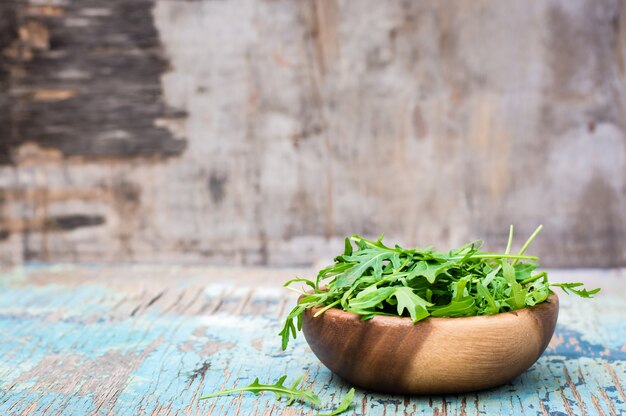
(552, 302)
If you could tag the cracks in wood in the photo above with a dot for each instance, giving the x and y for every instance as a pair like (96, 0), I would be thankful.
(572, 387)
(199, 372)
(609, 402)
(619, 25)
(154, 299)
(253, 170)
(616, 381)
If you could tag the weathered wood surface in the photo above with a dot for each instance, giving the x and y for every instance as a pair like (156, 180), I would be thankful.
(252, 132)
(150, 340)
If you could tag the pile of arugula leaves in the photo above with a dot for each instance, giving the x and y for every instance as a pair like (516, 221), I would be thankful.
(372, 279)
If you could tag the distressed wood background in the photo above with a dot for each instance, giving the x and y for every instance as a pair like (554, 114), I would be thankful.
(261, 132)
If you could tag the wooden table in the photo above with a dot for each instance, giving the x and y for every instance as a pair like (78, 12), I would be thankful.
(139, 340)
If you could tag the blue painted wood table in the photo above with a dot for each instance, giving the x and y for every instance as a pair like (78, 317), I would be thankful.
(151, 340)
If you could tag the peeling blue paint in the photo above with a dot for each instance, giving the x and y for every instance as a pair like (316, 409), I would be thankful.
(55, 340)
(583, 348)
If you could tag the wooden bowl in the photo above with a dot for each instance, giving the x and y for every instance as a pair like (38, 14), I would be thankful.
(434, 356)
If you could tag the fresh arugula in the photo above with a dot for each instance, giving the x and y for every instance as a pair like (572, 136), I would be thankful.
(293, 393)
(370, 279)
(345, 404)
(583, 293)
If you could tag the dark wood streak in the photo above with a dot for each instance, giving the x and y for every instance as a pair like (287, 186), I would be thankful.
(84, 84)
(72, 222)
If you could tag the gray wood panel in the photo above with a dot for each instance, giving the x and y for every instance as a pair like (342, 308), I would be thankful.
(262, 132)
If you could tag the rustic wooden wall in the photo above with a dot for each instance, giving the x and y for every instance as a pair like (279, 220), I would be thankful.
(262, 131)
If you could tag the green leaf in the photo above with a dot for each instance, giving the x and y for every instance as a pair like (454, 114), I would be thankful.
(347, 247)
(334, 270)
(293, 393)
(465, 307)
(289, 328)
(524, 270)
(537, 293)
(367, 259)
(408, 300)
(429, 270)
(517, 298)
(490, 305)
(371, 299)
(300, 280)
(490, 276)
(345, 404)
(570, 287)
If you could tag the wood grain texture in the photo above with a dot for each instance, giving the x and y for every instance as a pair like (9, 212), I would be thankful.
(435, 356)
(151, 340)
(262, 132)
(84, 79)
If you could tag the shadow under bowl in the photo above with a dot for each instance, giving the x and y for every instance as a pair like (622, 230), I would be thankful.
(434, 356)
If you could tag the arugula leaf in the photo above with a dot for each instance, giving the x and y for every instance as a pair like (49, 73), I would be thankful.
(289, 328)
(293, 393)
(429, 270)
(345, 404)
(278, 388)
(366, 259)
(518, 296)
(524, 270)
(490, 307)
(464, 307)
(569, 287)
(370, 300)
(408, 300)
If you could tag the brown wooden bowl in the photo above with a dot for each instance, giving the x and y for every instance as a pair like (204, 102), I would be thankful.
(434, 356)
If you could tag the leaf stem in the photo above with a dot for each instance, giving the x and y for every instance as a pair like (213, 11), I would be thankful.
(508, 245)
(378, 245)
(293, 289)
(500, 256)
(527, 243)
(248, 388)
(325, 308)
(533, 278)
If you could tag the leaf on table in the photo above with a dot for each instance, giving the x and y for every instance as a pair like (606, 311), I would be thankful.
(293, 393)
(345, 404)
